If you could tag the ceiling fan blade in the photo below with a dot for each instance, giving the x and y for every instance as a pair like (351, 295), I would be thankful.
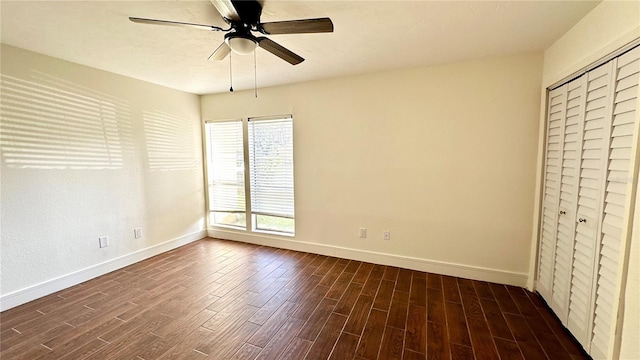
(175, 23)
(298, 26)
(279, 51)
(221, 52)
(226, 9)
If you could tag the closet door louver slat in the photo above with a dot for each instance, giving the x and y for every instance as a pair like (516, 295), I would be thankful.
(617, 202)
(552, 178)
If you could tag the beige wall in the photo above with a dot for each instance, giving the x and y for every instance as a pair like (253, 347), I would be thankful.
(86, 153)
(606, 28)
(442, 156)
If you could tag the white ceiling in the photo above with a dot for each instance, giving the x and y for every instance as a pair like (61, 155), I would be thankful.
(369, 36)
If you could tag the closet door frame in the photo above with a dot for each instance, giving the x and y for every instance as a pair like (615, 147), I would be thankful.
(613, 350)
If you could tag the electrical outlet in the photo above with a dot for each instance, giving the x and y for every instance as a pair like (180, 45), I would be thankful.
(386, 235)
(104, 241)
(137, 233)
(363, 233)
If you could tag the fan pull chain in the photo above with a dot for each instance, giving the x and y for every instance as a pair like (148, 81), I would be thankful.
(255, 73)
(230, 74)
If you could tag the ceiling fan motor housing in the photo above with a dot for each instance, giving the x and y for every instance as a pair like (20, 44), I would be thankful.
(242, 43)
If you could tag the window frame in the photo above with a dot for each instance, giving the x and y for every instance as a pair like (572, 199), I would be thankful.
(251, 223)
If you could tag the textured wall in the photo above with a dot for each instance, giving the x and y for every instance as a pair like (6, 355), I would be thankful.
(86, 153)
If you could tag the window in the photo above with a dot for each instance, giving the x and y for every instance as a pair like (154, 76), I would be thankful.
(269, 165)
(225, 155)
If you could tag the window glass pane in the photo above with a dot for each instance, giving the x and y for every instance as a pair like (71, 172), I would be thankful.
(229, 219)
(274, 223)
(225, 156)
(271, 167)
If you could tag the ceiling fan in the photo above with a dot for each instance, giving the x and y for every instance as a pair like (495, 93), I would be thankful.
(243, 17)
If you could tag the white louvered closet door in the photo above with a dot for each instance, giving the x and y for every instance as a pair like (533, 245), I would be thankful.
(552, 173)
(596, 126)
(570, 172)
(617, 201)
(589, 186)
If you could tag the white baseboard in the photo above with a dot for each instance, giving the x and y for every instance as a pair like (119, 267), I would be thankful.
(407, 262)
(19, 297)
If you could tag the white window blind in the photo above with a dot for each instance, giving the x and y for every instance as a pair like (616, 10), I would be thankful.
(271, 166)
(226, 166)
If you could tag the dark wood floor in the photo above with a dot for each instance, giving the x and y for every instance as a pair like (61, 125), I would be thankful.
(226, 300)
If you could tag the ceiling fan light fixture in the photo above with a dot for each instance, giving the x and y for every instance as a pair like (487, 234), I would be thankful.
(241, 45)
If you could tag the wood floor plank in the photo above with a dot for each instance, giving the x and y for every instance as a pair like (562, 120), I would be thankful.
(525, 305)
(340, 286)
(268, 309)
(370, 287)
(525, 338)
(228, 341)
(372, 335)
(508, 349)
(246, 352)
(186, 349)
(392, 344)
(434, 281)
(271, 326)
(398, 310)
(348, 299)
(391, 273)
(483, 346)
(345, 348)
(174, 332)
(352, 267)
(483, 290)
(418, 294)
(495, 319)
(317, 320)
(333, 274)
(461, 352)
(435, 306)
(362, 274)
(37, 338)
(404, 280)
(359, 314)
(86, 351)
(310, 303)
(503, 298)
(323, 346)
(569, 343)
(470, 300)
(437, 342)
(118, 342)
(416, 335)
(70, 341)
(450, 289)
(229, 300)
(297, 349)
(457, 324)
(412, 355)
